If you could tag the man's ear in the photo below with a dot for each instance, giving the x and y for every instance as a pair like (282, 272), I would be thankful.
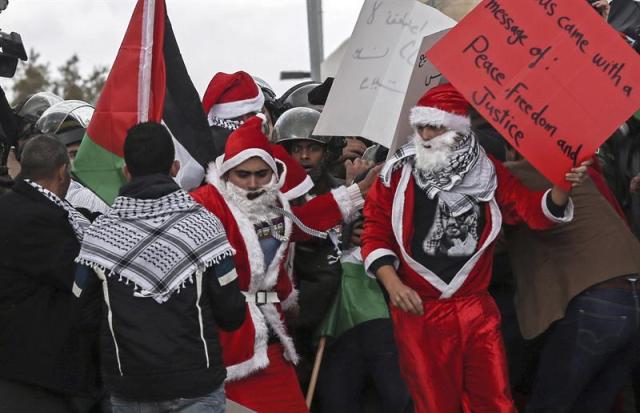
(175, 168)
(62, 173)
(126, 173)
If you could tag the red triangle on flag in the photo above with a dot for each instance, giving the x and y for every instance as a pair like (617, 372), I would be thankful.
(135, 88)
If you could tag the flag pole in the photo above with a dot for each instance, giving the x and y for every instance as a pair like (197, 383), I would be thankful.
(316, 369)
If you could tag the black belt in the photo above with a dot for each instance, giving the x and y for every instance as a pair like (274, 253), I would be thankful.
(262, 297)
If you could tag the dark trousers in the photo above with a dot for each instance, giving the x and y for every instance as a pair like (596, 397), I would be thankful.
(365, 353)
(589, 354)
(17, 397)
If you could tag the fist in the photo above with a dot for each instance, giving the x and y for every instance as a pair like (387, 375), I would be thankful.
(355, 168)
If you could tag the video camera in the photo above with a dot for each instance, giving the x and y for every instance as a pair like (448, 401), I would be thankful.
(11, 49)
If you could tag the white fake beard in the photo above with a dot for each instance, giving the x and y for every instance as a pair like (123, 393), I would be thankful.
(258, 209)
(433, 155)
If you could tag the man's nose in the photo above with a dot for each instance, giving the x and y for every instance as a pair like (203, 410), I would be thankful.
(427, 134)
(304, 154)
(253, 182)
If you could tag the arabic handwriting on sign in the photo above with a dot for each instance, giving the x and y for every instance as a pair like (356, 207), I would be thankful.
(422, 61)
(357, 54)
(376, 84)
(431, 78)
(405, 21)
(372, 16)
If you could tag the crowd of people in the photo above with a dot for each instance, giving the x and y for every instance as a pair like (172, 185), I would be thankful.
(315, 273)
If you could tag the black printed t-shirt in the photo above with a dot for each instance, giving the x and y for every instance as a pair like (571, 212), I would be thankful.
(440, 243)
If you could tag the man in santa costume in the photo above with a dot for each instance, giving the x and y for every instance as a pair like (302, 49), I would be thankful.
(244, 191)
(430, 223)
(232, 98)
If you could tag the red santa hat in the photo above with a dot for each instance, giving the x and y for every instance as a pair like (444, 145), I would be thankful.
(443, 106)
(246, 142)
(232, 95)
(297, 182)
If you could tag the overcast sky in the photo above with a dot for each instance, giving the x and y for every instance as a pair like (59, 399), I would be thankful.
(262, 37)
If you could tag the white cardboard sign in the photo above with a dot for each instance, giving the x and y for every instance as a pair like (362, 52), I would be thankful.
(370, 87)
(424, 76)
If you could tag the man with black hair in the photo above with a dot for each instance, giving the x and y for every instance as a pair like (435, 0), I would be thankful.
(245, 191)
(44, 353)
(316, 265)
(149, 150)
(160, 349)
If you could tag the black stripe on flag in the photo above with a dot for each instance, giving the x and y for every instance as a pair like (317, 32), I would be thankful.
(182, 112)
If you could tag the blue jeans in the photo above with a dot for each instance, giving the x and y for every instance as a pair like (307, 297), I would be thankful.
(590, 353)
(214, 402)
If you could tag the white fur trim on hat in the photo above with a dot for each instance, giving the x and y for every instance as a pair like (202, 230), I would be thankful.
(300, 190)
(229, 164)
(215, 176)
(423, 115)
(238, 108)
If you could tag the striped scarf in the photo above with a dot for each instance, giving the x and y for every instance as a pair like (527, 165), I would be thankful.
(78, 221)
(469, 178)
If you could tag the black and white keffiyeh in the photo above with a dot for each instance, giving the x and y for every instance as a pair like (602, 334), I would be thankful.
(224, 123)
(158, 244)
(78, 221)
(469, 178)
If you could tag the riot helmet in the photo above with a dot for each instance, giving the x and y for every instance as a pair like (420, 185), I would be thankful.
(298, 96)
(271, 104)
(29, 111)
(298, 124)
(67, 120)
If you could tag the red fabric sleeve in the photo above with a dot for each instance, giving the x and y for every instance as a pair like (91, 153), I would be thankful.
(518, 203)
(321, 213)
(378, 231)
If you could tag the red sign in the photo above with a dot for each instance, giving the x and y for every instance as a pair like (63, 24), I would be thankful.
(550, 75)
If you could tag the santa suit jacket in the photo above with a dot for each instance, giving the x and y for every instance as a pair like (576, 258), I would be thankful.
(245, 349)
(389, 229)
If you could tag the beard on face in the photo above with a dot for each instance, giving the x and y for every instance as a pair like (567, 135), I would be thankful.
(255, 204)
(433, 155)
(315, 173)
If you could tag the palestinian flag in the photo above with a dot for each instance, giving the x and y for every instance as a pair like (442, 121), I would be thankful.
(359, 299)
(147, 82)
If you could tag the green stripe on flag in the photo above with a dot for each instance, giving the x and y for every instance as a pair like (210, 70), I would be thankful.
(359, 299)
(99, 170)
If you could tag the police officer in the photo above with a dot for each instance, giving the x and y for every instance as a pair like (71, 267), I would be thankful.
(316, 267)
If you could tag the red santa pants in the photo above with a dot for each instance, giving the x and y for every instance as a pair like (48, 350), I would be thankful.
(272, 390)
(452, 357)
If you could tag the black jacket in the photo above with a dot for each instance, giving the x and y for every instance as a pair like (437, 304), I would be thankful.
(153, 351)
(41, 339)
(317, 271)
